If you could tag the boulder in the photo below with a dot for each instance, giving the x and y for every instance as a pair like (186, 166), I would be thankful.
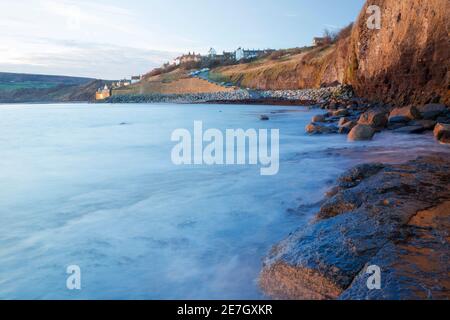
(442, 132)
(342, 121)
(431, 111)
(410, 129)
(361, 132)
(425, 124)
(347, 127)
(341, 113)
(314, 128)
(318, 118)
(443, 119)
(376, 118)
(404, 114)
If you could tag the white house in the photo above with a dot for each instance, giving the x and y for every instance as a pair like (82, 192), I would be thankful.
(212, 53)
(248, 54)
(135, 79)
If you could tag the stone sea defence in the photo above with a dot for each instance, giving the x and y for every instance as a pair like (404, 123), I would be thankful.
(395, 217)
(306, 96)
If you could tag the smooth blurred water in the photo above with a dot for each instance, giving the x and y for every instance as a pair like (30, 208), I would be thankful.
(94, 186)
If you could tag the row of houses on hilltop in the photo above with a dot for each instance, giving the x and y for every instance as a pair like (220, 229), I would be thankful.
(238, 55)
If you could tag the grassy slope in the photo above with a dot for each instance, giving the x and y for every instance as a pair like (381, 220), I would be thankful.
(16, 88)
(174, 82)
(290, 71)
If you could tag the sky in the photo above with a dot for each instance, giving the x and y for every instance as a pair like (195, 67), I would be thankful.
(116, 39)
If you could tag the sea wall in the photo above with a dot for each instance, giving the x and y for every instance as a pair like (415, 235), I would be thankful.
(306, 95)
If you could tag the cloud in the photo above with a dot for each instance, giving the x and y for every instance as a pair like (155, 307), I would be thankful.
(68, 57)
(82, 38)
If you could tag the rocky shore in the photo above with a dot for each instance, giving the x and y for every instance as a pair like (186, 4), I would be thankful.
(300, 97)
(396, 217)
(361, 120)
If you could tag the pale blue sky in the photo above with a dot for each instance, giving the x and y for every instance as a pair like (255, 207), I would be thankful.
(115, 39)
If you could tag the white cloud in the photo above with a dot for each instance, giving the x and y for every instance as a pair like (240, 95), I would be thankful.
(80, 38)
(77, 58)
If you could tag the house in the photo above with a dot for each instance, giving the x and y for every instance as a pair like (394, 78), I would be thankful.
(135, 79)
(187, 58)
(318, 41)
(212, 53)
(242, 54)
(102, 94)
(225, 56)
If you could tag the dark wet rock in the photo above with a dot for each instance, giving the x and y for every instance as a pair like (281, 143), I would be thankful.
(361, 132)
(341, 113)
(425, 124)
(347, 127)
(343, 121)
(314, 128)
(394, 216)
(431, 111)
(410, 129)
(376, 117)
(443, 119)
(318, 118)
(395, 126)
(264, 117)
(404, 114)
(357, 174)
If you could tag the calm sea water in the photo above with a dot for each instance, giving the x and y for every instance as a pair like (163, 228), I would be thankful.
(94, 186)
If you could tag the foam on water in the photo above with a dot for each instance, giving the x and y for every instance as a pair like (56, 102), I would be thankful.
(94, 186)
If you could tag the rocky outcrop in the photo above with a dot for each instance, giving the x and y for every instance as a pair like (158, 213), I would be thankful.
(406, 61)
(396, 217)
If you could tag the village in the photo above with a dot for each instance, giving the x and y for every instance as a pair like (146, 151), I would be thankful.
(201, 63)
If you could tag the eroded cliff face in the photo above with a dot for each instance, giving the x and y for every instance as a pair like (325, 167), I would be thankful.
(407, 59)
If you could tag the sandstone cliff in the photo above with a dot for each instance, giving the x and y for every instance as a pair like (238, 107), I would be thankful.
(407, 60)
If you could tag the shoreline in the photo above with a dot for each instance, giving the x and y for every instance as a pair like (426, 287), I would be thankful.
(393, 216)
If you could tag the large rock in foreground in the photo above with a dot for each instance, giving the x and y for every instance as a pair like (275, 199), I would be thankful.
(392, 216)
